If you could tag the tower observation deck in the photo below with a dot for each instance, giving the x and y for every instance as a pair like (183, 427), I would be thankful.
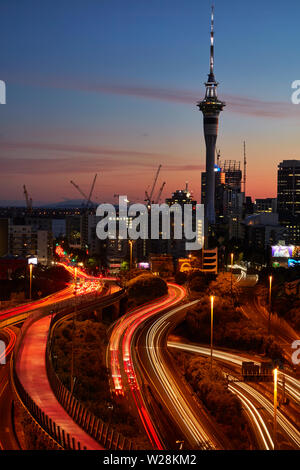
(211, 107)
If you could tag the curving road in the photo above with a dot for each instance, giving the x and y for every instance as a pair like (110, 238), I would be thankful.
(141, 374)
(252, 399)
(124, 374)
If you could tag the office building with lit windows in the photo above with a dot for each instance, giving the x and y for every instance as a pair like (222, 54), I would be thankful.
(288, 199)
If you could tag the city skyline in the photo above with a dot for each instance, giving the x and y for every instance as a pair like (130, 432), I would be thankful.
(120, 108)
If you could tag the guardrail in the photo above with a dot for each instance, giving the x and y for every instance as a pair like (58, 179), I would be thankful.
(55, 436)
(103, 433)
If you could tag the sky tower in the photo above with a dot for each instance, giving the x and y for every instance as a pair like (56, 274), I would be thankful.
(211, 108)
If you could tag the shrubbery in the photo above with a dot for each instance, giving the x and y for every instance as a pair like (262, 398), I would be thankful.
(231, 328)
(145, 288)
(212, 390)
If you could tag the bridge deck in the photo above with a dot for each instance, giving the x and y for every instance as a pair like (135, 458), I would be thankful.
(31, 370)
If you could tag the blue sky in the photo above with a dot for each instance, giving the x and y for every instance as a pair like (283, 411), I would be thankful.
(110, 86)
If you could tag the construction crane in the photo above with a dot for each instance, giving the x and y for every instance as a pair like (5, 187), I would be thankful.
(149, 196)
(28, 199)
(160, 193)
(87, 198)
(91, 191)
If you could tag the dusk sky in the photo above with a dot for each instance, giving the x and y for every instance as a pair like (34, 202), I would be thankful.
(110, 87)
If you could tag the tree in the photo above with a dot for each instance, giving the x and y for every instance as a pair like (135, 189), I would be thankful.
(222, 286)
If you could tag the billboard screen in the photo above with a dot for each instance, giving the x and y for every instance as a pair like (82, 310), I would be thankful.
(144, 265)
(296, 252)
(282, 251)
(293, 262)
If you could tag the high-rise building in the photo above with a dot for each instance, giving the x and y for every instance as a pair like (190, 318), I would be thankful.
(268, 204)
(25, 241)
(211, 107)
(229, 200)
(288, 199)
(288, 189)
(181, 197)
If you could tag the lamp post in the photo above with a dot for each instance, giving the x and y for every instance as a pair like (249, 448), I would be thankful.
(130, 244)
(275, 408)
(73, 332)
(270, 303)
(30, 280)
(211, 328)
(180, 444)
(231, 265)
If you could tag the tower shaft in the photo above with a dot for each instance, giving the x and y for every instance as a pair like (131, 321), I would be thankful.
(211, 108)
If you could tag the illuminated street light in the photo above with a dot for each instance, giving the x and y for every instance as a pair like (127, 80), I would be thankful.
(275, 372)
(270, 303)
(130, 244)
(73, 332)
(231, 266)
(30, 280)
(181, 444)
(211, 328)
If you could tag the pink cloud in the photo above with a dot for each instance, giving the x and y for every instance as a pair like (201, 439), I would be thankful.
(235, 103)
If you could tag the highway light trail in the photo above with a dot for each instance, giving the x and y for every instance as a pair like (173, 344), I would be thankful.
(121, 354)
(292, 387)
(89, 284)
(11, 343)
(177, 402)
(255, 416)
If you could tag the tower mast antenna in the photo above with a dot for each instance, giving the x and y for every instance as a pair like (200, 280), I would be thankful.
(212, 41)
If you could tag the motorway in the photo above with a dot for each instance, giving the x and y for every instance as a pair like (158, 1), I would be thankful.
(8, 439)
(192, 423)
(258, 405)
(167, 411)
(87, 285)
(119, 358)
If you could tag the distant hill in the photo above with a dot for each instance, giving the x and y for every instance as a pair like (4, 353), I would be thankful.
(66, 204)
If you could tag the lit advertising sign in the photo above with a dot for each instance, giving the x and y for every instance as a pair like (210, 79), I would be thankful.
(296, 252)
(282, 251)
(32, 260)
(144, 265)
(293, 262)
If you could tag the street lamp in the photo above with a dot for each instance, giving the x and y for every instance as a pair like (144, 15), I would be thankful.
(73, 332)
(130, 244)
(180, 444)
(211, 328)
(30, 280)
(231, 265)
(270, 302)
(275, 372)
